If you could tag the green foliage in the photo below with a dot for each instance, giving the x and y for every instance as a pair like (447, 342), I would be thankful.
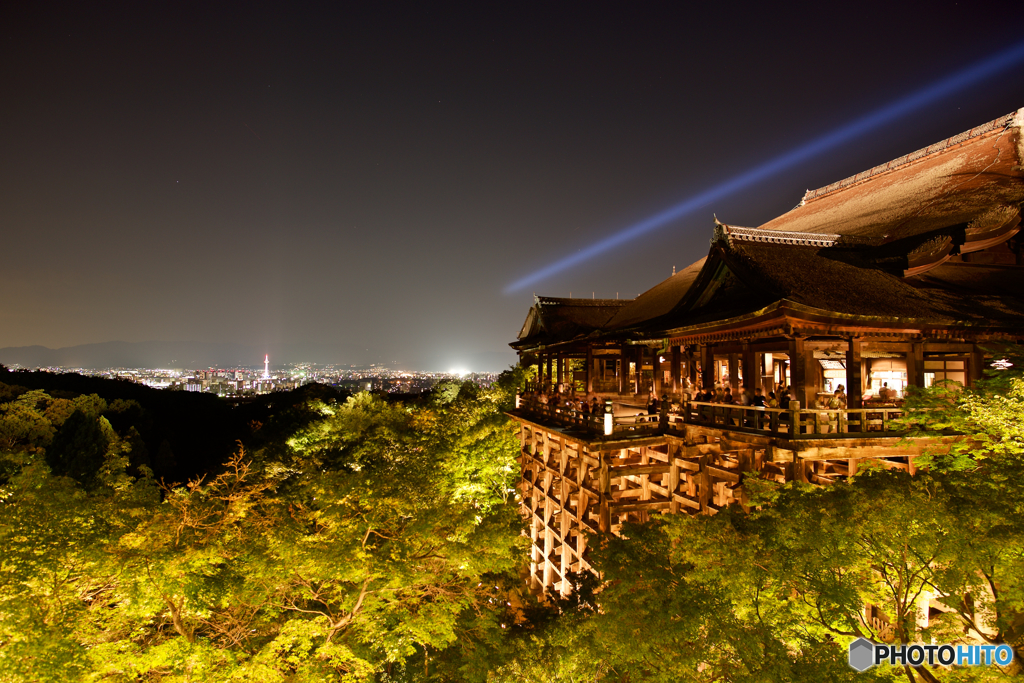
(78, 448)
(360, 540)
(374, 540)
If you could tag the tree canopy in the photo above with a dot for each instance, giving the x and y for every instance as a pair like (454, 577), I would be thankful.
(363, 539)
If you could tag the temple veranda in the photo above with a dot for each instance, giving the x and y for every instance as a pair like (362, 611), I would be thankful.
(901, 276)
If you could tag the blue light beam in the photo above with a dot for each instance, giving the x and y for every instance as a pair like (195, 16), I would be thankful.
(916, 100)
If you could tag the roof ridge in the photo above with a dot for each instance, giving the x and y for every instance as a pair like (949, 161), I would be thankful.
(1001, 122)
(556, 300)
(730, 233)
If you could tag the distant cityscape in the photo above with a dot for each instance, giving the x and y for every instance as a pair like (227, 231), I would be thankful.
(239, 381)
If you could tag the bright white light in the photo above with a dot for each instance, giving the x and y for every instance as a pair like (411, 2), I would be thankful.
(458, 371)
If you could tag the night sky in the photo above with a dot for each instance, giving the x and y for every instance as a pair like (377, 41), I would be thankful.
(363, 182)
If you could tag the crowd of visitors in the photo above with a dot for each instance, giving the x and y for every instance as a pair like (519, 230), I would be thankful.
(568, 401)
(830, 408)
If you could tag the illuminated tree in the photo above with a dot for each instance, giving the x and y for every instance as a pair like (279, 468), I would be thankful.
(376, 540)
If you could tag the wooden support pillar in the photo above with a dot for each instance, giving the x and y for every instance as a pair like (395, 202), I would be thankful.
(549, 368)
(604, 522)
(854, 376)
(590, 369)
(565, 526)
(915, 364)
(673, 484)
(560, 368)
(548, 538)
(691, 368)
(751, 369)
(800, 469)
(802, 372)
(707, 366)
(656, 378)
(977, 369)
(582, 503)
(674, 370)
(639, 373)
(734, 373)
(623, 369)
(704, 484)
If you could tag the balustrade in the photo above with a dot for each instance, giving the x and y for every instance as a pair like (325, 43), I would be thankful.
(797, 423)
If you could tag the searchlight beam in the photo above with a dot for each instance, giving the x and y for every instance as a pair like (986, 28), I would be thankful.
(846, 133)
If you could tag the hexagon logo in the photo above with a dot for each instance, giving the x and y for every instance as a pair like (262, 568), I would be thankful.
(862, 654)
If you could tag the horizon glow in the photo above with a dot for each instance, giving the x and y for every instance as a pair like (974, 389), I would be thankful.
(929, 94)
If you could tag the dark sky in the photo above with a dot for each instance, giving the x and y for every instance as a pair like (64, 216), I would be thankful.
(370, 177)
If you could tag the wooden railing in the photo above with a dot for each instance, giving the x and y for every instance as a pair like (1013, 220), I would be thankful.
(594, 423)
(797, 423)
(800, 423)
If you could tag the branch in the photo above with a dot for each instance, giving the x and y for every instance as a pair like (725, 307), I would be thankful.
(343, 623)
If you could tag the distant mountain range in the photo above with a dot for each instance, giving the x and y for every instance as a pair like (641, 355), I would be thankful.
(133, 355)
(192, 355)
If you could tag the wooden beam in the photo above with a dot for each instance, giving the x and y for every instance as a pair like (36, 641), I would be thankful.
(638, 506)
(623, 470)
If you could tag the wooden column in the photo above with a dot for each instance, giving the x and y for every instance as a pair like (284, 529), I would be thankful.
(623, 369)
(915, 364)
(707, 366)
(590, 369)
(803, 374)
(604, 522)
(677, 384)
(704, 483)
(734, 373)
(560, 368)
(638, 375)
(673, 483)
(549, 368)
(691, 368)
(656, 379)
(565, 525)
(751, 369)
(854, 377)
(977, 369)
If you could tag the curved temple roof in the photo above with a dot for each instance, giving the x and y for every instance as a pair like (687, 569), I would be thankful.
(873, 244)
(953, 181)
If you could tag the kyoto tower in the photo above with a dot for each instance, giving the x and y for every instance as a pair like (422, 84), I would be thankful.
(266, 366)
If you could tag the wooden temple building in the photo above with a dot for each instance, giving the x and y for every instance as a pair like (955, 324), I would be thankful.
(902, 275)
